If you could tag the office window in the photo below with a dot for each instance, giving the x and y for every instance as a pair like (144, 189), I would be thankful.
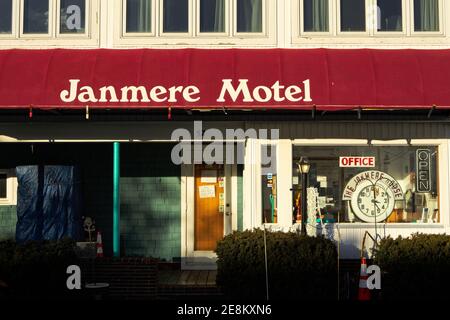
(212, 15)
(3, 186)
(389, 15)
(138, 16)
(35, 16)
(249, 15)
(175, 16)
(353, 15)
(315, 16)
(426, 15)
(72, 16)
(5, 16)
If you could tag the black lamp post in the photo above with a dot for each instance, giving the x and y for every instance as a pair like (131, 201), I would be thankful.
(303, 168)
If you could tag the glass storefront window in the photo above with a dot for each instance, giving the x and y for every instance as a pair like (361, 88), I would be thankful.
(400, 187)
(73, 16)
(5, 16)
(269, 184)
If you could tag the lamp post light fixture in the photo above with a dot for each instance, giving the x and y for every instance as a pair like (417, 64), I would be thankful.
(303, 168)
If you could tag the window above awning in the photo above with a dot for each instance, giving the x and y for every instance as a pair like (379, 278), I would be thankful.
(325, 79)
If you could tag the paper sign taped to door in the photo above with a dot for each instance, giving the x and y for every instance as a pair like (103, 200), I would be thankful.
(207, 192)
(209, 176)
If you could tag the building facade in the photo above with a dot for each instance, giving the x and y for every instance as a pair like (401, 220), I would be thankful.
(359, 88)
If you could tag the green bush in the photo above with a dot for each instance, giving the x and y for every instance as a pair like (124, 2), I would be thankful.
(298, 266)
(415, 268)
(37, 269)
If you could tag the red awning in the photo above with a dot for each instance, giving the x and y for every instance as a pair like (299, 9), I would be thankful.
(231, 78)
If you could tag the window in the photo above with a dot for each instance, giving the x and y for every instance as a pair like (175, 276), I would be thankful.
(175, 16)
(3, 186)
(315, 16)
(203, 19)
(35, 16)
(269, 184)
(401, 187)
(8, 186)
(389, 15)
(212, 16)
(6, 16)
(353, 15)
(72, 16)
(426, 15)
(249, 16)
(138, 16)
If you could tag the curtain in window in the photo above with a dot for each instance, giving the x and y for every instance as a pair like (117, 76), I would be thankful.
(212, 16)
(315, 15)
(144, 15)
(249, 14)
(426, 15)
(219, 18)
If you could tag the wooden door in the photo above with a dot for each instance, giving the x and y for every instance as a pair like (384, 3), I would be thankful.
(209, 206)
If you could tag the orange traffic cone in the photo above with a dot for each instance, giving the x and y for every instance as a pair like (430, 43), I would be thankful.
(363, 292)
(99, 245)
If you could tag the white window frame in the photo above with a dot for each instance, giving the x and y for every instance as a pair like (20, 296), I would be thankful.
(373, 22)
(189, 32)
(250, 34)
(87, 19)
(441, 32)
(11, 188)
(298, 9)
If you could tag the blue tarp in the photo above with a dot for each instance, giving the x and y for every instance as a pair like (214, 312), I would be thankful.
(48, 203)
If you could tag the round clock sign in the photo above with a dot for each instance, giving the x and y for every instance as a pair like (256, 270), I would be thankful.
(372, 195)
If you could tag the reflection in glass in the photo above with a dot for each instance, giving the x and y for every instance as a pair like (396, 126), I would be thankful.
(35, 16)
(315, 15)
(249, 16)
(72, 16)
(212, 16)
(5, 16)
(176, 15)
(139, 16)
(389, 15)
(353, 15)
(426, 15)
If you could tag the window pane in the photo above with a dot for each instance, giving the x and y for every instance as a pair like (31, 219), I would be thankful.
(212, 16)
(5, 16)
(73, 16)
(3, 180)
(353, 15)
(389, 15)
(35, 16)
(176, 15)
(426, 15)
(315, 15)
(269, 184)
(249, 16)
(139, 16)
(407, 193)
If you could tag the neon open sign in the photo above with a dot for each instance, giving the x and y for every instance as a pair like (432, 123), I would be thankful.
(423, 170)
